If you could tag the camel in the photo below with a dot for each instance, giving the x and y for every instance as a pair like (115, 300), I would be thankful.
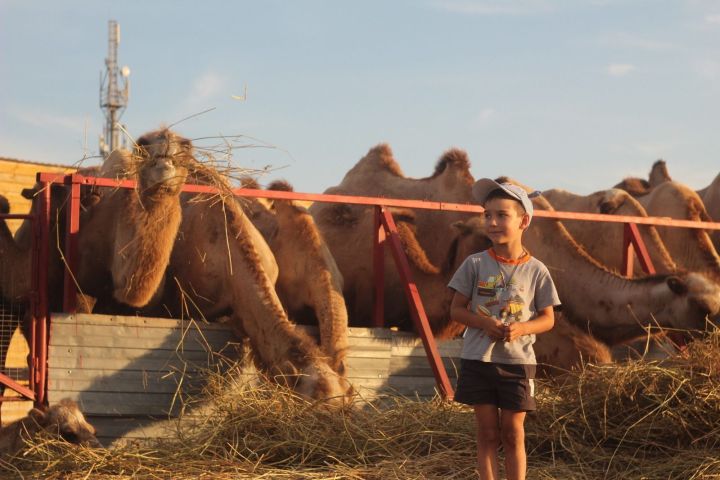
(567, 347)
(309, 283)
(221, 266)
(612, 307)
(125, 236)
(638, 186)
(64, 420)
(378, 174)
(604, 240)
(691, 248)
(14, 261)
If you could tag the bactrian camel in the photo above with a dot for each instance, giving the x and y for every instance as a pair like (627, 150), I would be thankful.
(603, 240)
(309, 283)
(63, 419)
(221, 266)
(612, 307)
(348, 230)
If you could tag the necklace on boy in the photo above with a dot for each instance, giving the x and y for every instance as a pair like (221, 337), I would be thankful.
(506, 284)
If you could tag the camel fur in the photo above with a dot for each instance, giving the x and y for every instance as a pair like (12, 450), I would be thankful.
(64, 420)
(603, 240)
(309, 283)
(221, 265)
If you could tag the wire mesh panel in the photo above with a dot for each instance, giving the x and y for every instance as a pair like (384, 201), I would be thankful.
(14, 349)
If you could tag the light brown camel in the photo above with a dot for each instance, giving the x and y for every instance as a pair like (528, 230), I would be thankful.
(125, 235)
(64, 420)
(221, 265)
(604, 240)
(14, 262)
(691, 248)
(612, 307)
(567, 347)
(128, 235)
(309, 283)
(378, 174)
(636, 186)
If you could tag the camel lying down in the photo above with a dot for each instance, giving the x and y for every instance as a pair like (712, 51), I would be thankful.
(64, 419)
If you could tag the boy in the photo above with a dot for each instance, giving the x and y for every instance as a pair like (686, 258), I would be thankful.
(505, 297)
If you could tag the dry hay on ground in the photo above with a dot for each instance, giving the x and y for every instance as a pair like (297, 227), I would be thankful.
(630, 421)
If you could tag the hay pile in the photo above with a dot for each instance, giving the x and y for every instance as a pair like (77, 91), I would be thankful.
(629, 421)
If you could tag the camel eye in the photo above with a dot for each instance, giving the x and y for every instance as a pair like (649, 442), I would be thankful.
(69, 437)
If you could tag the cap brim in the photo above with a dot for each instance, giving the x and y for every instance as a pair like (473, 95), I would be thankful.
(482, 188)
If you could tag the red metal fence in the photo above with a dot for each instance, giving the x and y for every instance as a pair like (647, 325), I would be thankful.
(386, 234)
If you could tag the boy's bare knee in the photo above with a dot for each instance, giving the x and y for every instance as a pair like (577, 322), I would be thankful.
(513, 438)
(489, 437)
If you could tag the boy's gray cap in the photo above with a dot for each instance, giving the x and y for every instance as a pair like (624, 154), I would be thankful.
(485, 186)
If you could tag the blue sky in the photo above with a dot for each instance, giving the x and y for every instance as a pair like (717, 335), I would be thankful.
(573, 94)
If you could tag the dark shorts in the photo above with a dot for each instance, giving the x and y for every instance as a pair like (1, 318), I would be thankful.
(509, 387)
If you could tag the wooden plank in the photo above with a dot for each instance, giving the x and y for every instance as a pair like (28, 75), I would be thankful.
(120, 403)
(176, 335)
(418, 366)
(172, 342)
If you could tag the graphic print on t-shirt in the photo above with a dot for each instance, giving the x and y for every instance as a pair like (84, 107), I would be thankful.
(508, 298)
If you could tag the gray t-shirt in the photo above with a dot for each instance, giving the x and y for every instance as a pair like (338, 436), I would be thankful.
(522, 287)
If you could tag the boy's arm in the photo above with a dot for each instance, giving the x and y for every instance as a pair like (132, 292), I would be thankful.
(459, 312)
(542, 323)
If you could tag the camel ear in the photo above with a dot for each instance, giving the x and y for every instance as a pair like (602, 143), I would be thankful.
(28, 193)
(462, 227)
(38, 416)
(676, 285)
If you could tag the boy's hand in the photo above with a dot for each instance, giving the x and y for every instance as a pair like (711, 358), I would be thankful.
(495, 329)
(513, 331)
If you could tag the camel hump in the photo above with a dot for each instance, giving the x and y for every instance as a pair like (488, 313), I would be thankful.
(249, 182)
(659, 173)
(637, 187)
(454, 158)
(381, 157)
(281, 186)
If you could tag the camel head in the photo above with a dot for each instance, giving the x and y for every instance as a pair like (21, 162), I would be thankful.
(687, 299)
(609, 201)
(163, 160)
(65, 420)
(470, 238)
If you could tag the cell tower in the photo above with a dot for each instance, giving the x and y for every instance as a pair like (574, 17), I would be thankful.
(113, 99)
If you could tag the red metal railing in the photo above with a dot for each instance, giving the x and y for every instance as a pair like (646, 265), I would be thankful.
(386, 234)
(37, 327)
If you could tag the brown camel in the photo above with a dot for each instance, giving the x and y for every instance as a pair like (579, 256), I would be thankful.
(128, 235)
(221, 265)
(64, 420)
(567, 347)
(378, 174)
(309, 283)
(612, 307)
(638, 186)
(691, 248)
(604, 240)
(125, 235)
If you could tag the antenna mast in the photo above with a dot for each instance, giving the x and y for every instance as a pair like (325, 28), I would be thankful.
(113, 99)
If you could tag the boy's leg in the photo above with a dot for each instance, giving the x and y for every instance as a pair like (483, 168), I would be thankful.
(488, 441)
(512, 432)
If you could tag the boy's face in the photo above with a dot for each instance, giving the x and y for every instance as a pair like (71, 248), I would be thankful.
(504, 220)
